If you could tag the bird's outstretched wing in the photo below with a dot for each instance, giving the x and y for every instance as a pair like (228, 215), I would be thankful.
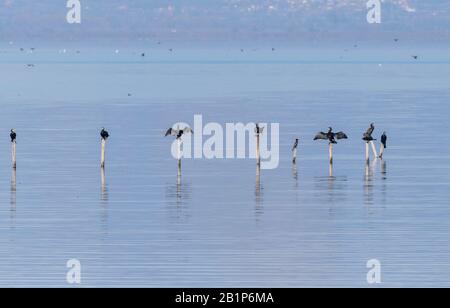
(261, 130)
(170, 132)
(321, 136)
(341, 135)
(188, 130)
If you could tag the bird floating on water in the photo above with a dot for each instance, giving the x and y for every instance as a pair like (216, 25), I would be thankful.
(104, 134)
(415, 57)
(13, 135)
(331, 136)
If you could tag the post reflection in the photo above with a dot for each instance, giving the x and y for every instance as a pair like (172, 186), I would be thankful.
(259, 210)
(295, 173)
(368, 182)
(13, 200)
(104, 188)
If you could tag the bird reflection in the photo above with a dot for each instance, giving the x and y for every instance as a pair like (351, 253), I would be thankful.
(384, 182)
(295, 174)
(384, 170)
(331, 189)
(104, 194)
(177, 193)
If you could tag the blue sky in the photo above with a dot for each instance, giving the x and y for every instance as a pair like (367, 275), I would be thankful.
(216, 19)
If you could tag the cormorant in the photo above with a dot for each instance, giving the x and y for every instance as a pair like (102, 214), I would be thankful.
(368, 134)
(13, 135)
(384, 140)
(104, 134)
(330, 136)
(295, 145)
(258, 129)
(178, 132)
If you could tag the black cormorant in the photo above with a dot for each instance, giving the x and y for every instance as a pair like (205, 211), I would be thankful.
(295, 145)
(13, 135)
(330, 136)
(104, 134)
(384, 140)
(368, 134)
(259, 129)
(178, 132)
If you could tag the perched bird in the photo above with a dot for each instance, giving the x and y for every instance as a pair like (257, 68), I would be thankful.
(368, 134)
(295, 145)
(104, 134)
(330, 136)
(178, 132)
(294, 151)
(384, 140)
(13, 135)
(259, 129)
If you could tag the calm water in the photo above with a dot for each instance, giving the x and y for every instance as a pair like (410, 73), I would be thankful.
(221, 224)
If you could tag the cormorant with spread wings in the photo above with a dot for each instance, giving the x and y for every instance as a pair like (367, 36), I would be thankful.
(331, 136)
(178, 132)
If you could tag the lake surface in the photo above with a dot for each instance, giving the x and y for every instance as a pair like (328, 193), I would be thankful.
(221, 224)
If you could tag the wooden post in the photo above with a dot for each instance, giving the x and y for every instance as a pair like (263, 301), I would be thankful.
(179, 142)
(103, 153)
(258, 157)
(13, 153)
(331, 153)
(294, 156)
(331, 170)
(367, 153)
(374, 150)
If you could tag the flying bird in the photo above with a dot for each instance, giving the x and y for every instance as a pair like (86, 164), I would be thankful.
(368, 134)
(13, 135)
(178, 133)
(330, 136)
(104, 134)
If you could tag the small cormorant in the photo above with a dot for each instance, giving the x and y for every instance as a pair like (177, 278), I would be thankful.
(104, 134)
(178, 132)
(13, 135)
(330, 136)
(368, 134)
(384, 140)
(295, 145)
(259, 129)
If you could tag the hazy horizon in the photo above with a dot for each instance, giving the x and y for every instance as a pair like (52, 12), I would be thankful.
(224, 20)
